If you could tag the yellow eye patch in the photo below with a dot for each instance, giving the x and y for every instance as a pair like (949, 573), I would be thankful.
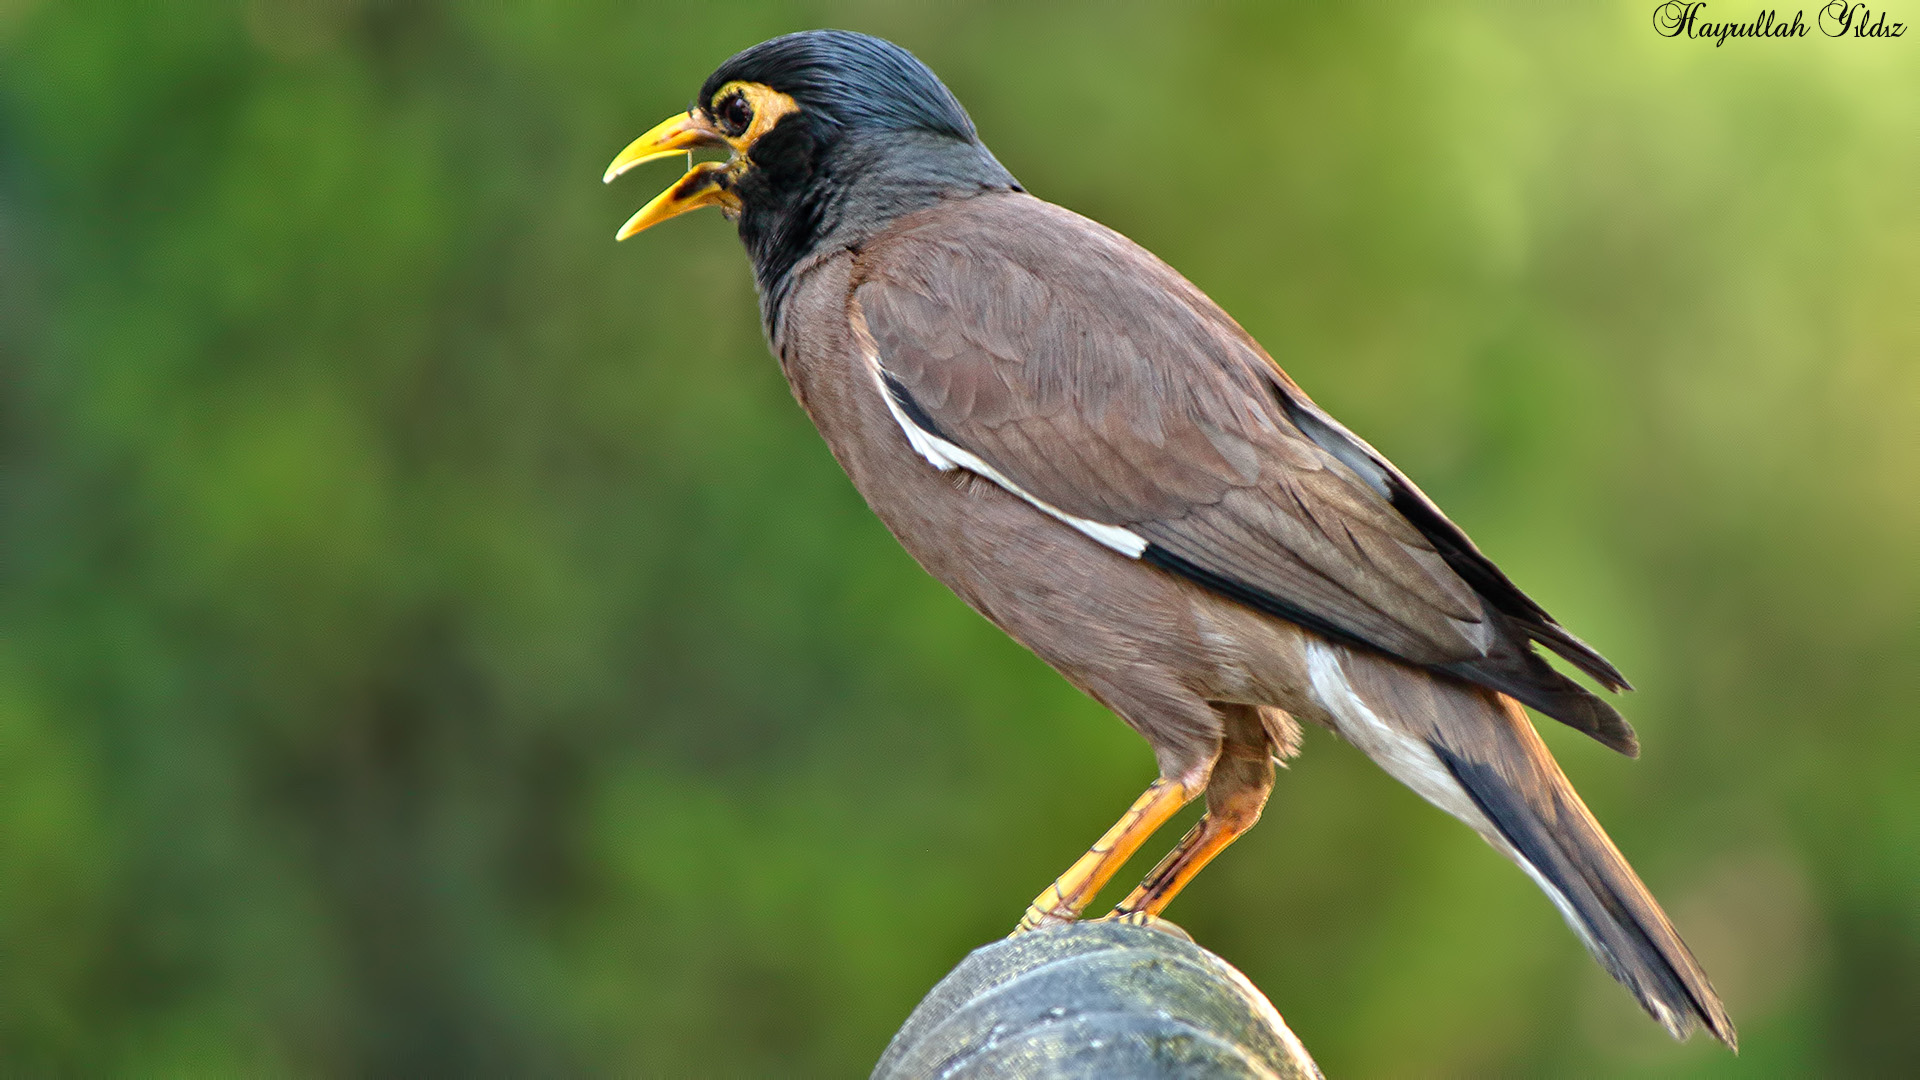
(767, 107)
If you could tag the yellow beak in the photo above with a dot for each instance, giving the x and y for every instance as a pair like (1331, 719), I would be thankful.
(703, 185)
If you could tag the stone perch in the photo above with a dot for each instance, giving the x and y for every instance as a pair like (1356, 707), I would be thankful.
(1094, 1000)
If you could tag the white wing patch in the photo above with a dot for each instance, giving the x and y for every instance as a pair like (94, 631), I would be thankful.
(945, 456)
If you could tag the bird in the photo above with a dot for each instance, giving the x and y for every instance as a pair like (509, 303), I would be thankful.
(1097, 458)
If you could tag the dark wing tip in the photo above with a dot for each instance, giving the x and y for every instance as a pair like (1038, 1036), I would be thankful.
(1527, 678)
(1604, 723)
(1575, 652)
(1526, 618)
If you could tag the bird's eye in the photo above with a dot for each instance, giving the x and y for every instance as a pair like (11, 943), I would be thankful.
(735, 114)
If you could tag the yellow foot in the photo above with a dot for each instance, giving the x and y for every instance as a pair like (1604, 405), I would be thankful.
(1062, 901)
(1050, 908)
(1035, 918)
(1151, 922)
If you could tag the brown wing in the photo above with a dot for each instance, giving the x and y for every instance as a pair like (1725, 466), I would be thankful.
(1097, 381)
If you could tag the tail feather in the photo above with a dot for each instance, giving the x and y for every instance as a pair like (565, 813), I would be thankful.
(1474, 753)
(1602, 898)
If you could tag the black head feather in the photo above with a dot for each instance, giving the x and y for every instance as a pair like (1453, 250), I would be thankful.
(851, 79)
(876, 135)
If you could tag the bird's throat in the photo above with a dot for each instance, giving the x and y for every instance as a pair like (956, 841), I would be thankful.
(857, 185)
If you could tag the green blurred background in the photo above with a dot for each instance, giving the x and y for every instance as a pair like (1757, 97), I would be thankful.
(432, 640)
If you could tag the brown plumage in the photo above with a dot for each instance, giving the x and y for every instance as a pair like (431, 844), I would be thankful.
(1093, 455)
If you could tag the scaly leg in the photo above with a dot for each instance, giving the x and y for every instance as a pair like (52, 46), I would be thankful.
(1062, 901)
(1236, 794)
(1205, 840)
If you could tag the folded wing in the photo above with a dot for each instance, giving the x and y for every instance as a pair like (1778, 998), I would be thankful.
(1067, 363)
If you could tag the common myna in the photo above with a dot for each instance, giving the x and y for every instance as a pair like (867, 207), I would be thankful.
(1097, 458)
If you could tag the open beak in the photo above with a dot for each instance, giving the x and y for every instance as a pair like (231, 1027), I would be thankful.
(703, 185)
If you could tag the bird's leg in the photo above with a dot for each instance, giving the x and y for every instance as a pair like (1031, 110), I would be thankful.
(1062, 901)
(1235, 796)
(1205, 840)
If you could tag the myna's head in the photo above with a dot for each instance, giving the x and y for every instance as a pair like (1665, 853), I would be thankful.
(828, 132)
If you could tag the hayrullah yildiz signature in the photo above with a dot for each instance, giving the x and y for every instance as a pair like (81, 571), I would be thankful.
(1838, 19)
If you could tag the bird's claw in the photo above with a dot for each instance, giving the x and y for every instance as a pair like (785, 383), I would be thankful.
(1150, 921)
(1037, 917)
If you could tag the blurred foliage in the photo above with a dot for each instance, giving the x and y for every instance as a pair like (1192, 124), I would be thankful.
(432, 640)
